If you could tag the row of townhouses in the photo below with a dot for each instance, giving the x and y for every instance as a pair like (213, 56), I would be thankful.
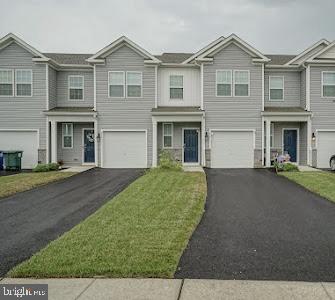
(225, 106)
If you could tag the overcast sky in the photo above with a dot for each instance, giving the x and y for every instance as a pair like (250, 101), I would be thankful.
(271, 26)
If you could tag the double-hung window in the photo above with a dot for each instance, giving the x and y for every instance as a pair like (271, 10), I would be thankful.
(176, 87)
(328, 84)
(223, 83)
(167, 135)
(241, 83)
(67, 134)
(276, 86)
(23, 82)
(134, 84)
(116, 84)
(76, 87)
(6, 83)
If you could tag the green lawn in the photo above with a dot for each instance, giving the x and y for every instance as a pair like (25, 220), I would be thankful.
(322, 183)
(142, 232)
(12, 184)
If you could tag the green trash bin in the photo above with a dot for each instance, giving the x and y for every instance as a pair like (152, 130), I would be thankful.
(12, 160)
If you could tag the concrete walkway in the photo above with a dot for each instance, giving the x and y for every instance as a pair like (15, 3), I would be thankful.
(178, 289)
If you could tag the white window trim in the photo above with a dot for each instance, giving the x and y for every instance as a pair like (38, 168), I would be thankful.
(163, 135)
(277, 100)
(175, 87)
(248, 83)
(13, 84)
(322, 85)
(63, 135)
(83, 88)
(126, 83)
(231, 82)
(23, 96)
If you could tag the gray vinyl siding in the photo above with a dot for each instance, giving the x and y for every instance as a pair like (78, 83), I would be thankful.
(74, 155)
(52, 88)
(278, 138)
(323, 108)
(291, 89)
(303, 88)
(126, 113)
(63, 89)
(233, 112)
(24, 112)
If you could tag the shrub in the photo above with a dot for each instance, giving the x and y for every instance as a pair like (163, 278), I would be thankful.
(288, 167)
(46, 167)
(166, 161)
(285, 167)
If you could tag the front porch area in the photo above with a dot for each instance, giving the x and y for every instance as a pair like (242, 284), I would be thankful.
(180, 132)
(288, 133)
(72, 138)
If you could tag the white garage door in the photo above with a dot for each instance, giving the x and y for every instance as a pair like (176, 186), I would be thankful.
(124, 149)
(326, 148)
(26, 141)
(232, 149)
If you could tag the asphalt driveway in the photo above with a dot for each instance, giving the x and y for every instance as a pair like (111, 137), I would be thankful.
(30, 220)
(260, 226)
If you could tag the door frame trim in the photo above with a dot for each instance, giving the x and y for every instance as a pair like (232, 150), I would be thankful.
(298, 142)
(83, 147)
(182, 143)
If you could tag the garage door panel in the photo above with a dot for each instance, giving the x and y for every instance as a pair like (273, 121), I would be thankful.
(232, 149)
(326, 148)
(26, 141)
(124, 149)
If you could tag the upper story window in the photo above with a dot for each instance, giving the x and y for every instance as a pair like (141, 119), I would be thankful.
(116, 84)
(6, 82)
(276, 86)
(67, 134)
(23, 82)
(134, 84)
(241, 83)
(167, 135)
(223, 83)
(76, 87)
(176, 87)
(328, 84)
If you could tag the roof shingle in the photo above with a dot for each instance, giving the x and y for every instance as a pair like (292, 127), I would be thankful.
(69, 58)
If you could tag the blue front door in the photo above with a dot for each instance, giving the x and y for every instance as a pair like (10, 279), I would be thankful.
(191, 146)
(290, 143)
(89, 146)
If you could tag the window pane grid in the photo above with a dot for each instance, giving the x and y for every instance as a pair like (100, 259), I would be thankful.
(134, 84)
(328, 84)
(176, 81)
(23, 76)
(23, 81)
(67, 129)
(167, 135)
(116, 83)
(6, 77)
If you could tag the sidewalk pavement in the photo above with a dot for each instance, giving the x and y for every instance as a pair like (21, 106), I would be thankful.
(177, 289)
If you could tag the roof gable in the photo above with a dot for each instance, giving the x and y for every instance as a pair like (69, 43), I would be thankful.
(239, 43)
(204, 49)
(10, 38)
(120, 42)
(309, 52)
(327, 53)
